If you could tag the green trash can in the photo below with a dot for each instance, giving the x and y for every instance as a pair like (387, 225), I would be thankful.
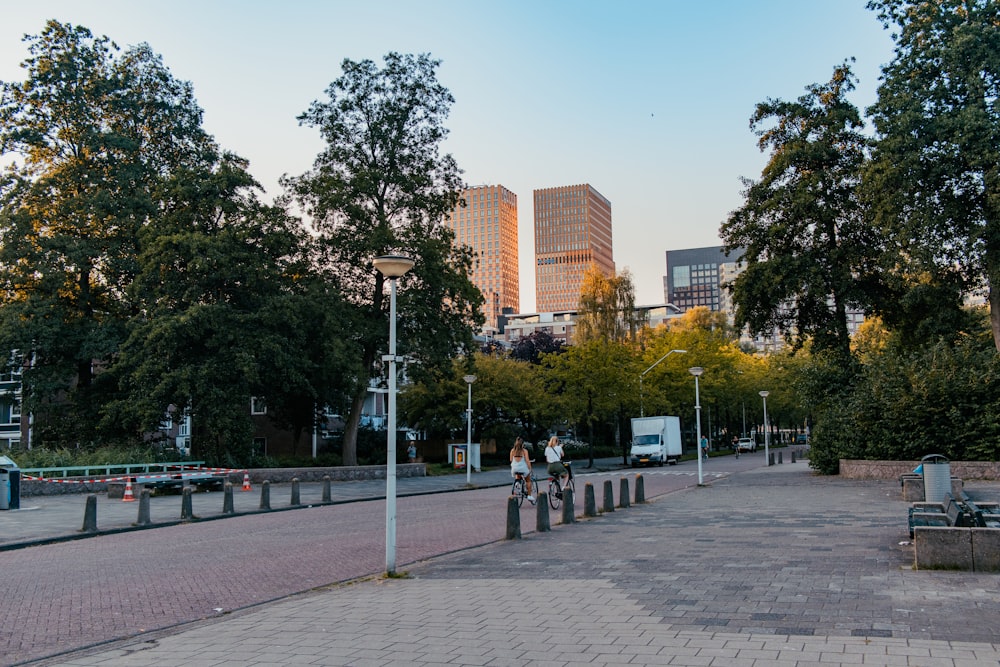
(937, 477)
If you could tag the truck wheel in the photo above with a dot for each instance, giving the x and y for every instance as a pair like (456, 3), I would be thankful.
(660, 463)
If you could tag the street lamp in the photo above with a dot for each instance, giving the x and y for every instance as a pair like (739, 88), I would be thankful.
(643, 374)
(392, 267)
(469, 379)
(767, 435)
(696, 372)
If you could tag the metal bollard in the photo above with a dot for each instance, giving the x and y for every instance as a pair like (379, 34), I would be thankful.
(265, 495)
(143, 519)
(227, 499)
(568, 510)
(295, 492)
(793, 456)
(609, 496)
(90, 515)
(623, 493)
(779, 458)
(542, 523)
(589, 502)
(640, 490)
(326, 489)
(187, 511)
(513, 519)
(770, 459)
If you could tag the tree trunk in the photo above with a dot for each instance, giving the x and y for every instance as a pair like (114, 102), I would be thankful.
(349, 451)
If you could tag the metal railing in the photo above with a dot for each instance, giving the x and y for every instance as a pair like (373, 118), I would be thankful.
(64, 472)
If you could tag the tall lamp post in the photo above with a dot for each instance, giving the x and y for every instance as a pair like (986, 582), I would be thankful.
(696, 372)
(469, 379)
(392, 267)
(643, 374)
(767, 431)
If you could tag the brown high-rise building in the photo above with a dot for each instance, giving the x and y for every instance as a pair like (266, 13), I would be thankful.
(488, 224)
(572, 231)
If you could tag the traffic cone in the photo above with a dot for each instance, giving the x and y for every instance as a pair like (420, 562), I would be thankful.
(127, 497)
(246, 482)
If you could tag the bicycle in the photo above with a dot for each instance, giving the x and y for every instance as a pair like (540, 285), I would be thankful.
(556, 489)
(520, 490)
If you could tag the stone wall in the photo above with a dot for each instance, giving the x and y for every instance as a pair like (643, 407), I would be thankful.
(966, 470)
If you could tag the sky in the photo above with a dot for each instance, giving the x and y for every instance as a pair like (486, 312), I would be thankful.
(648, 101)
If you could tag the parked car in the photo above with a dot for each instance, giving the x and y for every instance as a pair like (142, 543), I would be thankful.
(746, 445)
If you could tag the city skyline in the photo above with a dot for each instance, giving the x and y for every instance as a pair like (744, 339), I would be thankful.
(648, 102)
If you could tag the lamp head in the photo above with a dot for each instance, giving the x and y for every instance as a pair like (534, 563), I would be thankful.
(392, 266)
(696, 371)
(469, 378)
(680, 351)
(764, 394)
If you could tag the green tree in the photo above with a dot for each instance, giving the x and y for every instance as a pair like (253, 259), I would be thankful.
(382, 186)
(89, 135)
(607, 307)
(935, 174)
(807, 247)
(223, 318)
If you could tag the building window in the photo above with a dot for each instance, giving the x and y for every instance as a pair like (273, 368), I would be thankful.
(15, 410)
(257, 405)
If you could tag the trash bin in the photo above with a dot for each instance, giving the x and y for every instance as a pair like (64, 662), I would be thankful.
(10, 484)
(937, 477)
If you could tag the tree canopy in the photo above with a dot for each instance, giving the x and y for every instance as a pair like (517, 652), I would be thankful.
(381, 186)
(807, 247)
(934, 181)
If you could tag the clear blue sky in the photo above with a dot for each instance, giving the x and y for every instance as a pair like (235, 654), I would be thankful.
(647, 101)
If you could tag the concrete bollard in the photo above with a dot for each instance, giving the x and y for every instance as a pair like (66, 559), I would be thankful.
(568, 510)
(609, 496)
(640, 490)
(90, 515)
(513, 519)
(589, 502)
(143, 519)
(779, 458)
(227, 499)
(623, 493)
(187, 511)
(265, 495)
(295, 492)
(326, 489)
(542, 523)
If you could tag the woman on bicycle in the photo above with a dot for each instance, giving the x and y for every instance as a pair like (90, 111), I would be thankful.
(520, 464)
(553, 457)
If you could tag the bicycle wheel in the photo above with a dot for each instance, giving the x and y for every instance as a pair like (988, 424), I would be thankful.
(555, 494)
(517, 490)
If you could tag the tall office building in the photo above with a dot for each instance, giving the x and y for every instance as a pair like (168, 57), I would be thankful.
(572, 231)
(488, 224)
(695, 277)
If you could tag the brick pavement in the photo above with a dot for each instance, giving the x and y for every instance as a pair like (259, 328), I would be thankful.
(767, 567)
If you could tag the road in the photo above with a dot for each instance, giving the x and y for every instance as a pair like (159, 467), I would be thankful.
(65, 596)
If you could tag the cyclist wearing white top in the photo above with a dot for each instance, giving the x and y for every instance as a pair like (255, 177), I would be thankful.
(553, 457)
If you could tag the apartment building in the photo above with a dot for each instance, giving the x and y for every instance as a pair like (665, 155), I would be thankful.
(572, 232)
(486, 221)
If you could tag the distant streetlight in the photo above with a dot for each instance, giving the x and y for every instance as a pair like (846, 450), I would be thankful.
(767, 434)
(643, 374)
(392, 267)
(696, 372)
(469, 379)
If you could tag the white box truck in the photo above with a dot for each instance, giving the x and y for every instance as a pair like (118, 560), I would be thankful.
(655, 440)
